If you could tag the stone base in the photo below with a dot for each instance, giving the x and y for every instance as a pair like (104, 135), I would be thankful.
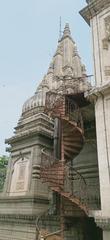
(17, 229)
(22, 227)
(18, 216)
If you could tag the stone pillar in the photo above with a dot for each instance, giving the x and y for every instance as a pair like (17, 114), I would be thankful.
(103, 138)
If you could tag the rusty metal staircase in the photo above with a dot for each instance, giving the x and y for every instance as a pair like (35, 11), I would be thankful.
(65, 180)
(72, 138)
(60, 173)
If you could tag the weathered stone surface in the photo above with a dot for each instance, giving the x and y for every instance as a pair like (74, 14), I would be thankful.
(94, 7)
(24, 197)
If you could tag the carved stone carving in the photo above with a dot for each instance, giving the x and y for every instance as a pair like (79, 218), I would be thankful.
(105, 44)
(106, 40)
(19, 181)
(103, 223)
(107, 27)
(107, 71)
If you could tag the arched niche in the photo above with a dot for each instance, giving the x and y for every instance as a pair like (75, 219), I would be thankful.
(20, 177)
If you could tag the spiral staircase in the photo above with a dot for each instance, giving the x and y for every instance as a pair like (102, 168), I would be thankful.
(72, 138)
(60, 174)
(58, 171)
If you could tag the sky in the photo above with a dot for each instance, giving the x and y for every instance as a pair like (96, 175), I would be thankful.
(29, 32)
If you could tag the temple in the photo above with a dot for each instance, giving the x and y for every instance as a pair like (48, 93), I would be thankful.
(52, 188)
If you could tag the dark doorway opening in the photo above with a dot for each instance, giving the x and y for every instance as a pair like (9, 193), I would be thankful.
(93, 232)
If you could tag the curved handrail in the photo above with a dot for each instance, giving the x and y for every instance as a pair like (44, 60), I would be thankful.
(66, 176)
(41, 235)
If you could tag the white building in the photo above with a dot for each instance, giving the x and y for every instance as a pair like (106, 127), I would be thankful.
(97, 15)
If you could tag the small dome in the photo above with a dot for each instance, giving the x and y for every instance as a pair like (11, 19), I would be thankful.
(37, 100)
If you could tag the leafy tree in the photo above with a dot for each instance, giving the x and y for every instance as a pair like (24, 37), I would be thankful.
(3, 168)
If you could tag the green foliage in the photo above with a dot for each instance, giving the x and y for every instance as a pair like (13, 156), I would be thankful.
(3, 168)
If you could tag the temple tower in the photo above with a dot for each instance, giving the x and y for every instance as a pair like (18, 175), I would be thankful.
(25, 197)
(97, 15)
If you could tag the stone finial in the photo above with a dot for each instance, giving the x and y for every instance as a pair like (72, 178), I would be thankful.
(67, 31)
(42, 84)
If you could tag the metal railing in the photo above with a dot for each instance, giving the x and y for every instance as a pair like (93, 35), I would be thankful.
(64, 177)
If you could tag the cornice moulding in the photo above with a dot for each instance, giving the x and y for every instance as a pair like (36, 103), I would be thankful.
(93, 8)
(30, 133)
(98, 91)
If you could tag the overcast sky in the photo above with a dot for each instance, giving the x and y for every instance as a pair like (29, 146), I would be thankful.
(29, 31)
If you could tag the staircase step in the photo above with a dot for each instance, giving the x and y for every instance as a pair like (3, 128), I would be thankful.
(71, 150)
(75, 144)
(73, 139)
(68, 156)
(72, 198)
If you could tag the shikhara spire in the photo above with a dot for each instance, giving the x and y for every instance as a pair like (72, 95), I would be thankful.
(65, 66)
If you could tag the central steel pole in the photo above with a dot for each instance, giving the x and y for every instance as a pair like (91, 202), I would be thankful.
(61, 199)
(57, 139)
(59, 155)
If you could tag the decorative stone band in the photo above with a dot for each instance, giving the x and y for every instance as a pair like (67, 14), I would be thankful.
(103, 223)
(18, 218)
(106, 40)
(93, 8)
(96, 92)
(26, 219)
